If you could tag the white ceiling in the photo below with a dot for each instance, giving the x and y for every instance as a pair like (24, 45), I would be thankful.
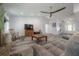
(33, 9)
(76, 8)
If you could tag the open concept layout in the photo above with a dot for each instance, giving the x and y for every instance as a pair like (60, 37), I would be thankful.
(39, 29)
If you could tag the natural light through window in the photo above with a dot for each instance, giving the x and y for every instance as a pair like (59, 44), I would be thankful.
(70, 27)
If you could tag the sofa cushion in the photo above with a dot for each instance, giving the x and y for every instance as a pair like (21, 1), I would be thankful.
(27, 52)
(53, 49)
(41, 51)
(72, 48)
(59, 44)
(23, 50)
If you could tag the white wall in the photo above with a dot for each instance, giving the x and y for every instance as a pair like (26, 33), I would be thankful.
(17, 23)
(76, 15)
(39, 22)
(30, 13)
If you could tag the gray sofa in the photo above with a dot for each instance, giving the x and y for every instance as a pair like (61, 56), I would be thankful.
(60, 47)
(55, 47)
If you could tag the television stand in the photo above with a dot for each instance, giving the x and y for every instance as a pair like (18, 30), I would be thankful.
(29, 32)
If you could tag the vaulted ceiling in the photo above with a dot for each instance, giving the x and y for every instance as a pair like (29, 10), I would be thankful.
(33, 9)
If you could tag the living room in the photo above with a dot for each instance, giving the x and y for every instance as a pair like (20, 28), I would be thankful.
(54, 22)
(32, 15)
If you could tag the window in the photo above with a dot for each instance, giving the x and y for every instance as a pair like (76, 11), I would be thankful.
(6, 24)
(46, 28)
(6, 27)
(70, 27)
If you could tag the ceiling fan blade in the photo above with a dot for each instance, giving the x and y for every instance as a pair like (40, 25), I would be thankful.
(45, 12)
(59, 10)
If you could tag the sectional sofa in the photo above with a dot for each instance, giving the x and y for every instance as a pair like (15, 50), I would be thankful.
(56, 46)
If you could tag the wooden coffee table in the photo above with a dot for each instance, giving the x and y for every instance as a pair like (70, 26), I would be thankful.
(39, 37)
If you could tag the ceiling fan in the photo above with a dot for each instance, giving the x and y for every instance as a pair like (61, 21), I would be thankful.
(50, 13)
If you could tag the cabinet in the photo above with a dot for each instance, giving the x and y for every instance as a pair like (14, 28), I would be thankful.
(29, 32)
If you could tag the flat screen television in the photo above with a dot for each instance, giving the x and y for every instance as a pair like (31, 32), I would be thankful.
(28, 26)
